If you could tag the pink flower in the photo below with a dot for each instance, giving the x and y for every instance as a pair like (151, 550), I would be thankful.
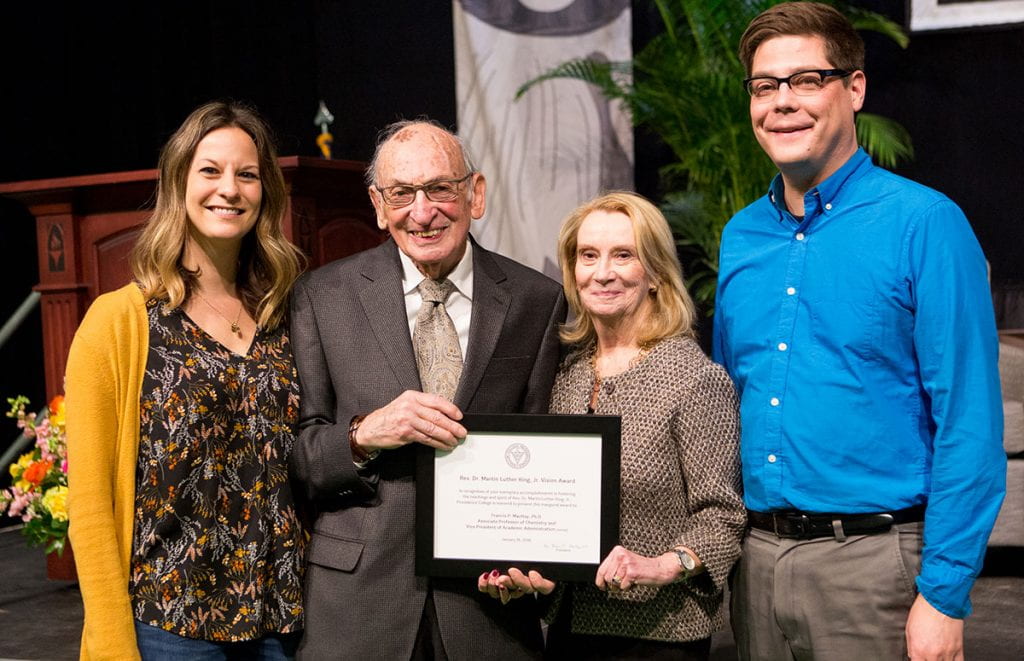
(64, 467)
(19, 503)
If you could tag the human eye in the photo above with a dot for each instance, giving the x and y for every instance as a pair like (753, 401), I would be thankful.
(400, 193)
(806, 81)
(208, 170)
(586, 255)
(624, 255)
(251, 175)
(442, 190)
(762, 87)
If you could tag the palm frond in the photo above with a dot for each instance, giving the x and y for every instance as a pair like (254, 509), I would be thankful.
(887, 141)
(612, 78)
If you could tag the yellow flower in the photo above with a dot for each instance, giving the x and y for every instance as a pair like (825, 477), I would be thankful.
(56, 501)
(24, 461)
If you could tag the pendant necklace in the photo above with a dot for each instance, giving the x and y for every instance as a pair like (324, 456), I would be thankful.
(235, 328)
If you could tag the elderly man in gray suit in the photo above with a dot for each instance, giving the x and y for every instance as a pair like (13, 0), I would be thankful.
(392, 345)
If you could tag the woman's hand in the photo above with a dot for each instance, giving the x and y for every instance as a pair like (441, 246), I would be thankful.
(513, 585)
(623, 569)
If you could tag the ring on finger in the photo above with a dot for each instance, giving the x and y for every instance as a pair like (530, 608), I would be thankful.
(616, 580)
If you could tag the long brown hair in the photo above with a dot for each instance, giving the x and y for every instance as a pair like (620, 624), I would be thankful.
(268, 263)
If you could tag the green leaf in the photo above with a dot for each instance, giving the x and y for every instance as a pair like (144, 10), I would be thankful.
(886, 140)
(685, 87)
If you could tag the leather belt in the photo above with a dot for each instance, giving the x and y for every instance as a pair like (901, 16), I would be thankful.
(801, 525)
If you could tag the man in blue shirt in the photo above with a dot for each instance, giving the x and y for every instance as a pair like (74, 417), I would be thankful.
(854, 315)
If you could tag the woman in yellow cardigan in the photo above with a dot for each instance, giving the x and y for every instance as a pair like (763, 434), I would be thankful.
(181, 403)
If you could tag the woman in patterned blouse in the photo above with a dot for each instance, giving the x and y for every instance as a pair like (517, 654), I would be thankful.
(182, 400)
(633, 354)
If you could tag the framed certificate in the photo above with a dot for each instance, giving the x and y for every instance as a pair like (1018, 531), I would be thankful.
(527, 491)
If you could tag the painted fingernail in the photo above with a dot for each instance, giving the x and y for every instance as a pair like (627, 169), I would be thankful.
(495, 573)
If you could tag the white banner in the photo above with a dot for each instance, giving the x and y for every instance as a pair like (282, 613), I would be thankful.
(562, 143)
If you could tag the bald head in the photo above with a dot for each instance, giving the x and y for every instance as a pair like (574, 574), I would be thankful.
(399, 136)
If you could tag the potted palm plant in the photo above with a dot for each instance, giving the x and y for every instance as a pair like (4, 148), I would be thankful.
(684, 86)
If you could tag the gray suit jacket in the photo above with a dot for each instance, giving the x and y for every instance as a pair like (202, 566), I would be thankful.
(354, 355)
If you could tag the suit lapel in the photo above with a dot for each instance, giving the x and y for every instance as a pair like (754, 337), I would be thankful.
(384, 305)
(491, 301)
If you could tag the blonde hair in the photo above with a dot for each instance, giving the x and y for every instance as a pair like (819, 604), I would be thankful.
(673, 312)
(268, 263)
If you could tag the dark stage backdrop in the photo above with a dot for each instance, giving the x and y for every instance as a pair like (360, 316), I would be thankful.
(87, 88)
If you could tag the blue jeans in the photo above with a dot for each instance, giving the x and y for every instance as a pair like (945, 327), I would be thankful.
(155, 644)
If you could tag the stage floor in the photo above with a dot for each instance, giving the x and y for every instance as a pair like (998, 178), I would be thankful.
(42, 619)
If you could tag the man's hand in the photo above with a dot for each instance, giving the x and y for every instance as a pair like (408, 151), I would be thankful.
(932, 635)
(412, 417)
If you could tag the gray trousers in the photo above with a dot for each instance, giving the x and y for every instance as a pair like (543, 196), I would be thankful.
(825, 599)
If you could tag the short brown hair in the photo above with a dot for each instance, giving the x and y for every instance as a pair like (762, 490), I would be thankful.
(673, 312)
(843, 45)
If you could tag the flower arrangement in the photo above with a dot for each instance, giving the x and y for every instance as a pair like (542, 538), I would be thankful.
(39, 490)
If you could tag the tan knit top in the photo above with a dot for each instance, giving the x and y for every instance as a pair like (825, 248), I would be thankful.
(680, 486)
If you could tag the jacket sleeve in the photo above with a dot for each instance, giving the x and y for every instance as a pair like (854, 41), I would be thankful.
(706, 432)
(321, 459)
(95, 376)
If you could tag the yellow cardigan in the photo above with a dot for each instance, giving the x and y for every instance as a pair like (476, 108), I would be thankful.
(103, 384)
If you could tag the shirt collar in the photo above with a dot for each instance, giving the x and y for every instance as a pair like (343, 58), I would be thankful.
(827, 190)
(461, 276)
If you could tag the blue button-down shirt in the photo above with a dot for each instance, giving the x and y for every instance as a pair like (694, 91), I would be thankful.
(861, 339)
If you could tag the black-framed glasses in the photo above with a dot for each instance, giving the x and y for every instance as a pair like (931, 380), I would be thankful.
(802, 83)
(441, 190)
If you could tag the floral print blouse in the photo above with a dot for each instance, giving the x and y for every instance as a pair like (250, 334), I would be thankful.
(217, 545)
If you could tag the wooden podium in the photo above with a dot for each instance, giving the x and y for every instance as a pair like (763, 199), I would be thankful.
(86, 226)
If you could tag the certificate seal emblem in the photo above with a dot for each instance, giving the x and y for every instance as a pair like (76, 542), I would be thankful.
(517, 455)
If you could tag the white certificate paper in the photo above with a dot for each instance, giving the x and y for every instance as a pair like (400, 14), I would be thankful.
(522, 498)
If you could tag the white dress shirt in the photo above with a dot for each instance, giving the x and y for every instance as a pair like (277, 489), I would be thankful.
(460, 302)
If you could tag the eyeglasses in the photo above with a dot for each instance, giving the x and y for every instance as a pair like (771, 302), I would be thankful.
(442, 190)
(802, 83)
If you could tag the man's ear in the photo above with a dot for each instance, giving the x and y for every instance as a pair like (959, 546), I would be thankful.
(378, 207)
(479, 202)
(857, 89)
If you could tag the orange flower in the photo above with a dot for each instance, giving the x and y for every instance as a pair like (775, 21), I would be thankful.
(57, 410)
(37, 471)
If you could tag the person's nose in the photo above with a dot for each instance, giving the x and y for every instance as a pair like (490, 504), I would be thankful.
(421, 211)
(227, 186)
(604, 270)
(785, 98)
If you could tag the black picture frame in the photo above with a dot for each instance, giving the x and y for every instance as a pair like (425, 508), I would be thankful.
(609, 430)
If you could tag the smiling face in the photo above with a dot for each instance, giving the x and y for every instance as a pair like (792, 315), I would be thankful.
(807, 137)
(611, 280)
(433, 234)
(223, 190)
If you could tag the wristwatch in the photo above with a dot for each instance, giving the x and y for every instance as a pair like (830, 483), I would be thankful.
(686, 563)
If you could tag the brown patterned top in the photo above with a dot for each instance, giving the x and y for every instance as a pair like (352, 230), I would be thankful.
(217, 546)
(680, 486)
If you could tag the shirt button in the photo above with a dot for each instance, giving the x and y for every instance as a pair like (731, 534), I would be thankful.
(799, 236)
(771, 459)
(774, 401)
(790, 290)
(783, 346)
(829, 206)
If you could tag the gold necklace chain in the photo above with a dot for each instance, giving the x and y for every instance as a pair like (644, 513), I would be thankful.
(235, 328)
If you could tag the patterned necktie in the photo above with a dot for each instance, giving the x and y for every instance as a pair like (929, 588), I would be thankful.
(438, 355)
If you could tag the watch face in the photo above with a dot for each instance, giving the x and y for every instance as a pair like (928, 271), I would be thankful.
(686, 560)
